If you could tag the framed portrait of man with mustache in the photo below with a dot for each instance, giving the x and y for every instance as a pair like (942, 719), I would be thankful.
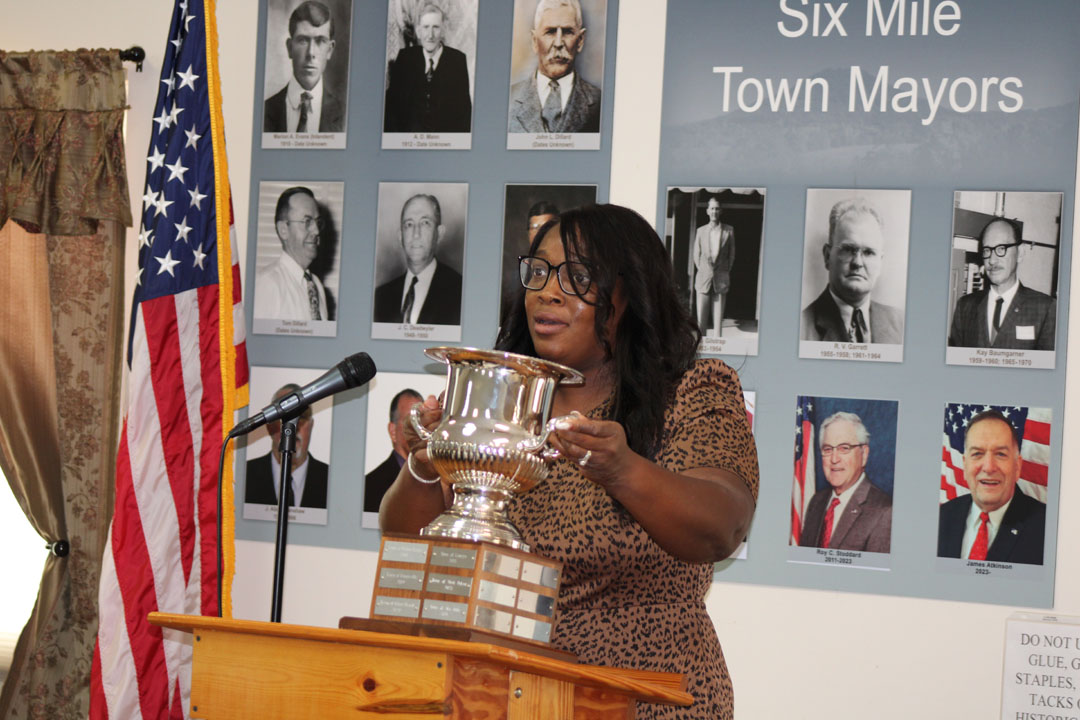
(306, 74)
(556, 75)
(1003, 279)
(854, 289)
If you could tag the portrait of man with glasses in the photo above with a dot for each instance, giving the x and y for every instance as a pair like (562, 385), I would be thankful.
(294, 262)
(998, 309)
(863, 256)
(850, 507)
(416, 285)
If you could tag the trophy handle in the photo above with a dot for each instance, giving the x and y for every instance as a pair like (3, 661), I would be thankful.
(414, 418)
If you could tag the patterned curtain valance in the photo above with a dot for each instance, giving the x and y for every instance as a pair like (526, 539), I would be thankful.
(61, 140)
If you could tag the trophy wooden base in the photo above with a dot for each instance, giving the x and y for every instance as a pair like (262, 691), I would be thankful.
(478, 586)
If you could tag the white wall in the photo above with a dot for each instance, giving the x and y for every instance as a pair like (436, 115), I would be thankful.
(860, 656)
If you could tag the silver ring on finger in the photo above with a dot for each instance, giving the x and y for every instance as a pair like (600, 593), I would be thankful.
(585, 458)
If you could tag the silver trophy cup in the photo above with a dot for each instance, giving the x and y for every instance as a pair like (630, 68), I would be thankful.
(489, 442)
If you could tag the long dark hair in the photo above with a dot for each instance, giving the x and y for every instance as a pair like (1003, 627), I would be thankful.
(656, 338)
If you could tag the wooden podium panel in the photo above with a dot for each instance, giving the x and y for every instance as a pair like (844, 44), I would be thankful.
(246, 669)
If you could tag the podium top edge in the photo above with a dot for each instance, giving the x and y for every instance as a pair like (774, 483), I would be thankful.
(646, 686)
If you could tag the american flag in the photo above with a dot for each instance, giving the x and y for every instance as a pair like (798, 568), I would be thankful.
(804, 484)
(187, 374)
(1033, 424)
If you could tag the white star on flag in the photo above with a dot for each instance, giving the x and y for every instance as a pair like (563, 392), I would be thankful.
(200, 256)
(174, 114)
(196, 198)
(187, 78)
(167, 263)
(176, 171)
(169, 82)
(182, 229)
(192, 138)
(148, 198)
(146, 237)
(163, 120)
(162, 205)
(156, 160)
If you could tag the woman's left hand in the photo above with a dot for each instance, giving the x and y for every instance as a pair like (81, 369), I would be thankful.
(598, 446)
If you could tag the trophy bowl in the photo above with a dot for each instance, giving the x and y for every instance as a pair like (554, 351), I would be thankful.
(490, 441)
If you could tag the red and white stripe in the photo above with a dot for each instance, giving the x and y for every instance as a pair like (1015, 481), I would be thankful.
(804, 483)
(163, 541)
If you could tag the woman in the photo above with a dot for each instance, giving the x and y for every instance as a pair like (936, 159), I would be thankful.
(657, 478)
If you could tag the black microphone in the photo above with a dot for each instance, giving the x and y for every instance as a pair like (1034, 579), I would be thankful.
(351, 372)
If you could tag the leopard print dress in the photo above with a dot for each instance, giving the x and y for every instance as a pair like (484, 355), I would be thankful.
(624, 601)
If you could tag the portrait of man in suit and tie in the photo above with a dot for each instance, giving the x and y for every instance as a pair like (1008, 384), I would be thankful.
(1005, 313)
(553, 96)
(308, 475)
(416, 284)
(995, 520)
(297, 257)
(861, 251)
(850, 512)
(714, 256)
(379, 480)
(313, 98)
(428, 86)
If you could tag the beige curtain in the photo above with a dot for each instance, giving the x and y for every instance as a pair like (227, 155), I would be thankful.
(63, 207)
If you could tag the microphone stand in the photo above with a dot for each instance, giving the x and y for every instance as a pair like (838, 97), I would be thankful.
(287, 446)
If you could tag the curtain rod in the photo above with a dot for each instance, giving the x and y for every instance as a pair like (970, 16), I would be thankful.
(134, 54)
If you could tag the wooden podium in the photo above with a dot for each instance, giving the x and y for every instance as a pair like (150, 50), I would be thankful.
(247, 669)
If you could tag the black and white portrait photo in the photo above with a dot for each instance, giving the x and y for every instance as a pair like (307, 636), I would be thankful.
(306, 78)
(430, 74)
(419, 252)
(854, 289)
(298, 258)
(842, 495)
(715, 237)
(1003, 279)
(526, 209)
(556, 74)
(390, 397)
(308, 489)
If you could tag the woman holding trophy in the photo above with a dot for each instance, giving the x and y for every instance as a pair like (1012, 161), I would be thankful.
(657, 475)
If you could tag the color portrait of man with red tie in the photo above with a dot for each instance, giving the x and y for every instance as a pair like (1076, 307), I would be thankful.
(995, 520)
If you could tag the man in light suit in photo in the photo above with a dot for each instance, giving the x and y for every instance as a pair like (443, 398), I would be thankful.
(308, 476)
(379, 480)
(995, 521)
(305, 105)
(1006, 314)
(714, 254)
(429, 82)
(852, 513)
(854, 254)
(428, 292)
(555, 98)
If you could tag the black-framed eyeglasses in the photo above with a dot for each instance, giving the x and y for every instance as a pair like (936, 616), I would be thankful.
(998, 250)
(308, 222)
(842, 449)
(575, 278)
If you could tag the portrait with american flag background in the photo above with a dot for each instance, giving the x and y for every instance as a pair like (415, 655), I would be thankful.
(1030, 424)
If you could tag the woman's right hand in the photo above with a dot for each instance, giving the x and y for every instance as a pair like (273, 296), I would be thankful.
(430, 412)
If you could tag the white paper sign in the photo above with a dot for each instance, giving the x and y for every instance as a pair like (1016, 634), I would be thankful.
(1042, 667)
